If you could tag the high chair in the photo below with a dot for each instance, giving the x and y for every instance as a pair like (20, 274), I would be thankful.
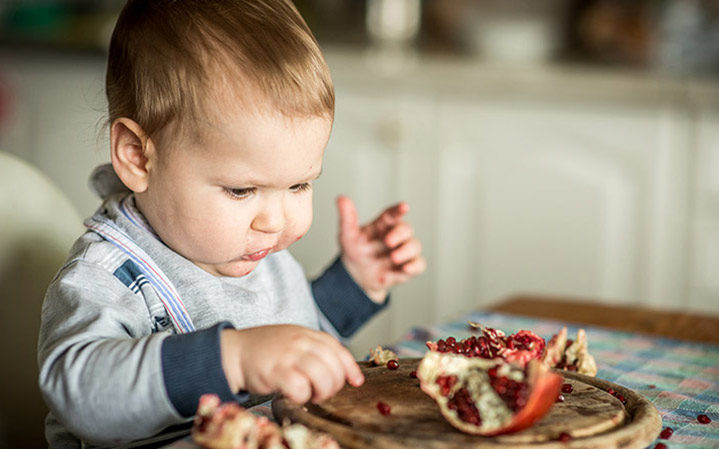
(37, 227)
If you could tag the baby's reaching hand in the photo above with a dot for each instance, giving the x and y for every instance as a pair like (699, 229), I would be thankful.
(382, 253)
(303, 364)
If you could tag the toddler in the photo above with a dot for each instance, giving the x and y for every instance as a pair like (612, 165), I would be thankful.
(219, 113)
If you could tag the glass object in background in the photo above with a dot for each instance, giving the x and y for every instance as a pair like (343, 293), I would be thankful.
(393, 23)
(505, 31)
(688, 37)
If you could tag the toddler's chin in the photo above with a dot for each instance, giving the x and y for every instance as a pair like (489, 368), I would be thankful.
(232, 269)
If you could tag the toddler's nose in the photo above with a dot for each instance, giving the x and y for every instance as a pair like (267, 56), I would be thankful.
(270, 218)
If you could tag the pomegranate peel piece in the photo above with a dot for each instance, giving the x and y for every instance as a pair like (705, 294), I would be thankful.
(380, 356)
(488, 396)
(570, 355)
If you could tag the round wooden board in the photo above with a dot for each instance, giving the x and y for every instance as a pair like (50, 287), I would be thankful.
(593, 417)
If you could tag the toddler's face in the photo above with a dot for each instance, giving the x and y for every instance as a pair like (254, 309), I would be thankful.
(241, 194)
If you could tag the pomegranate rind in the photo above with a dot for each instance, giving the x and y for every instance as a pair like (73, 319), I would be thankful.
(576, 355)
(472, 374)
(546, 386)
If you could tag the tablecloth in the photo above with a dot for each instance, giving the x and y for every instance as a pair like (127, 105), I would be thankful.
(680, 378)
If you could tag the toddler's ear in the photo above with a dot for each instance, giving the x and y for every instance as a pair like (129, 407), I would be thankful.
(130, 150)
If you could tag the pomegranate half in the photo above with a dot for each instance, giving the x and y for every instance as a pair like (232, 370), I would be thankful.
(488, 396)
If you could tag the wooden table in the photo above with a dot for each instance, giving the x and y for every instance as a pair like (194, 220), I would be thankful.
(673, 324)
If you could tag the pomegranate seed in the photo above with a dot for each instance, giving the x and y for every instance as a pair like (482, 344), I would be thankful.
(567, 388)
(611, 391)
(621, 398)
(413, 374)
(383, 408)
(393, 364)
(660, 446)
(564, 437)
(704, 419)
(666, 433)
(560, 398)
(451, 341)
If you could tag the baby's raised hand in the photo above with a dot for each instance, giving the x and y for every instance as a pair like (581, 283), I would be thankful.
(303, 364)
(382, 253)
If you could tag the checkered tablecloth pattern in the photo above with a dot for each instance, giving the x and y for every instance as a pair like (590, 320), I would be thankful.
(680, 378)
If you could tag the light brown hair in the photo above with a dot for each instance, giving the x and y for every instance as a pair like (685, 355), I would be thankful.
(170, 61)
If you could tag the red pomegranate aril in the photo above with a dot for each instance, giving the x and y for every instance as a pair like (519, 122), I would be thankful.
(446, 383)
(666, 433)
(704, 419)
(611, 391)
(567, 388)
(393, 364)
(660, 446)
(384, 408)
(621, 398)
(413, 374)
(560, 398)
(564, 437)
(462, 403)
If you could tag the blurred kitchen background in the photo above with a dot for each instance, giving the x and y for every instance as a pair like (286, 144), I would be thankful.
(553, 147)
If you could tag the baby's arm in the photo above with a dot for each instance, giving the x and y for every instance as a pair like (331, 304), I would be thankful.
(301, 363)
(102, 370)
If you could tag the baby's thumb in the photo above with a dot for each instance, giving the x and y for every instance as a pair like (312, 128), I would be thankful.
(349, 222)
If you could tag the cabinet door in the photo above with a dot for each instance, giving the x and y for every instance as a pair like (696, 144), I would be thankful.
(705, 249)
(380, 152)
(560, 199)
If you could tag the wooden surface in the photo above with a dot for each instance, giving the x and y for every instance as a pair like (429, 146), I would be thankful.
(672, 324)
(591, 415)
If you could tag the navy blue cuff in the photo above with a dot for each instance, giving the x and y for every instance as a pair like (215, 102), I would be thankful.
(342, 301)
(192, 366)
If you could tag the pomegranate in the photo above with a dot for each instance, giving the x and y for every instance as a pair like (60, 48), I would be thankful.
(517, 348)
(667, 432)
(520, 348)
(384, 408)
(488, 396)
(570, 355)
(229, 426)
(704, 419)
(393, 364)
(381, 356)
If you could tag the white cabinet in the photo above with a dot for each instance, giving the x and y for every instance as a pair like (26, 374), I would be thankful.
(561, 199)
(704, 286)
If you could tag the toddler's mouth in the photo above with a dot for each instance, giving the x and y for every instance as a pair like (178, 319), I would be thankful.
(259, 255)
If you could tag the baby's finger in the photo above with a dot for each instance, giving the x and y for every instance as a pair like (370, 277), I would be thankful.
(352, 371)
(345, 360)
(415, 267)
(294, 385)
(398, 234)
(388, 218)
(406, 252)
(321, 376)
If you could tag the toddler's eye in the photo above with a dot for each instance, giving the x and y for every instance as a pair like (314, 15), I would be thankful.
(301, 187)
(240, 193)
